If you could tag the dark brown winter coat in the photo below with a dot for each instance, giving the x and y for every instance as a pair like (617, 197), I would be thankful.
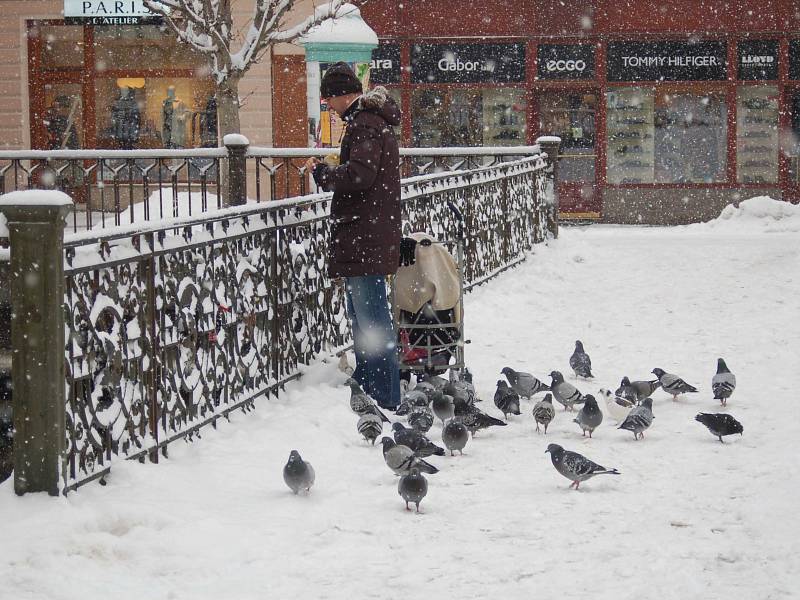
(365, 235)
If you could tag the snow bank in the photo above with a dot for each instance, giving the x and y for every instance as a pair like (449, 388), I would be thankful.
(760, 214)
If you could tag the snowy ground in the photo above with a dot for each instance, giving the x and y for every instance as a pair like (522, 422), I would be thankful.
(688, 518)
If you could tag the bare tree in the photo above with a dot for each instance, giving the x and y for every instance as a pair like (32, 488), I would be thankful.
(207, 27)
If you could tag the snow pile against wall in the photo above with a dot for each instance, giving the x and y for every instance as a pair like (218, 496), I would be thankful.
(760, 214)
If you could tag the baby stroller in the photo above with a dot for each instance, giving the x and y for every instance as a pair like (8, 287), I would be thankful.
(428, 306)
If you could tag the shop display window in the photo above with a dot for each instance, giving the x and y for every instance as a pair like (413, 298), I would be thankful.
(757, 134)
(792, 143)
(473, 117)
(630, 136)
(63, 116)
(571, 116)
(142, 47)
(60, 46)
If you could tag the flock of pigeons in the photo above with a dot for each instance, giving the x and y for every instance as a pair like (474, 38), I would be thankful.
(453, 403)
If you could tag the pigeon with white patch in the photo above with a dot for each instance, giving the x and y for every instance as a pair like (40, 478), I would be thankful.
(543, 412)
(575, 467)
(672, 384)
(589, 416)
(362, 404)
(443, 406)
(580, 362)
(723, 383)
(413, 488)
(506, 399)
(455, 436)
(370, 426)
(618, 408)
(525, 384)
(720, 424)
(401, 459)
(415, 440)
(410, 400)
(474, 418)
(566, 393)
(626, 391)
(297, 473)
(421, 418)
(639, 419)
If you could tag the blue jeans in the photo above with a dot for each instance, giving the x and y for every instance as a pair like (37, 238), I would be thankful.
(374, 339)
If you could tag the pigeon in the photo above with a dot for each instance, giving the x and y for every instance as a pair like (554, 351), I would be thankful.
(566, 393)
(525, 384)
(401, 459)
(298, 474)
(370, 426)
(506, 399)
(361, 403)
(415, 440)
(460, 389)
(411, 399)
(413, 488)
(720, 424)
(443, 407)
(424, 387)
(626, 391)
(723, 383)
(645, 389)
(672, 384)
(574, 466)
(436, 381)
(421, 419)
(589, 417)
(639, 419)
(543, 412)
(455, 436)
(618, 408)
(473, 418)
(580, 362)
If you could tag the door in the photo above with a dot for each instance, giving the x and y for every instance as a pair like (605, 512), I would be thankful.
(572, 116)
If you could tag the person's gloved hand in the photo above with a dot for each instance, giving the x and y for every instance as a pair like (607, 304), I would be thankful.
(408, 247)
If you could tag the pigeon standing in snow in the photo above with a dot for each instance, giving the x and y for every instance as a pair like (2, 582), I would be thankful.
(566, 393)
(435, 380)
(525, 384)
(626, 391)
(370, 426)
(361, 403)
(443, 407)
(506, 399)
(543, 412)
(297, 473)
(410, 400)
(672, 384)
(574, 466)
(401, 459)
(413, 487)
(474, 418)
(645, 389)
(723, 383)
(617, 407)
(720, 424)
(589, 417)
(455, 436)
(421, 418)
(415, 440)
(639, 419)
(580, 362)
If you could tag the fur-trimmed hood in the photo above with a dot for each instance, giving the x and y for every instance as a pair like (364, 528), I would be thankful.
(378, 101)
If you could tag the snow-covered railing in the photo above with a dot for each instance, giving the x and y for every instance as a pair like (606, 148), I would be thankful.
(167, 327)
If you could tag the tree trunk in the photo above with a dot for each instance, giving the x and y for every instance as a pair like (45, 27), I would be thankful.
(228, 107)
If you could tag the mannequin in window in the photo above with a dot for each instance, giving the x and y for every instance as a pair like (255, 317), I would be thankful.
(60, 123)
(208, 123)
(166, 117)
(176, 117)
(125, 120)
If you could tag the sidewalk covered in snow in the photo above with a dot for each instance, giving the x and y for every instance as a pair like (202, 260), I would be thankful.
(688, 518)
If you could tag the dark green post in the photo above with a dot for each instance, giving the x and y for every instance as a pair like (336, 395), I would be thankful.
(36, 223)
(551, 145)
(237, 169)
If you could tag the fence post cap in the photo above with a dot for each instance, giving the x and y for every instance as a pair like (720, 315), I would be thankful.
(26, 205)
(548, 139)
(235, 140)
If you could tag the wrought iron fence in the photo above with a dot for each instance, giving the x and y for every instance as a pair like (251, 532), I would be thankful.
(170, 326)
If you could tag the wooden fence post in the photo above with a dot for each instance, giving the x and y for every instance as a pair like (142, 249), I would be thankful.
(551, 145)
(36, 222)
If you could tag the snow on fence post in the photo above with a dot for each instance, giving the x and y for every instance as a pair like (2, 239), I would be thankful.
(36, 221)
(550, 145)
(237, 145)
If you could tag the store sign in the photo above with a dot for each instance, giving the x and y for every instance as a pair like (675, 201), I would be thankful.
(794, 59)
(758, 60)
(667, 61)
(565, 61)
(108, 12)
(385, 64)
(467, 63)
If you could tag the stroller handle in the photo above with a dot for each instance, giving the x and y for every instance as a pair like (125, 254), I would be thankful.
(459, 217)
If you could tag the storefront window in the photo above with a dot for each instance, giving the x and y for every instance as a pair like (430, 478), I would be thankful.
(474, 117)
(571, 116)
(61, 46)
(630, 135)
(757, 134)
(792, 144)
(63, 116)
(141, 47)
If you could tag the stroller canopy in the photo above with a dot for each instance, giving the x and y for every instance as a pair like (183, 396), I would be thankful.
(433, 278)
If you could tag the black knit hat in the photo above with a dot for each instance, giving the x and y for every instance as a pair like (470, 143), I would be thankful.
(339, 80)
